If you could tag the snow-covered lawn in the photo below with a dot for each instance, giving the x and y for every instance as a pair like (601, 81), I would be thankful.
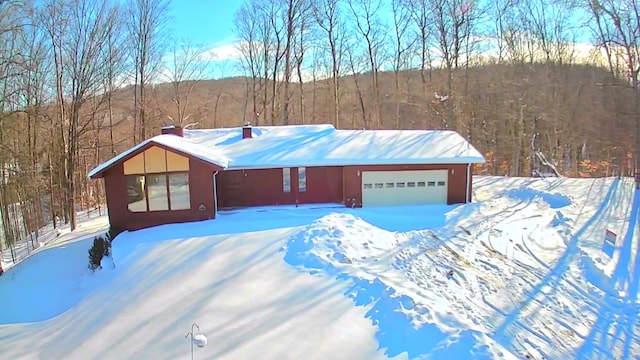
(90, 222)
(517, 273)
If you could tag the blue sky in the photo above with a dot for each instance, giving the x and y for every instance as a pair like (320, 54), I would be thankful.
(209, 24)
(204, 22)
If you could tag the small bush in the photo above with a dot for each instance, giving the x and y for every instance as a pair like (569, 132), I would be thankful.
(99, 249)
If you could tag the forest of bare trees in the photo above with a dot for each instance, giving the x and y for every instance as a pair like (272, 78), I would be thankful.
(526, 81)
(60, 63)
(517, 77)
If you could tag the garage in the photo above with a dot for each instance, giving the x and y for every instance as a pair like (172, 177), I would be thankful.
(388, 188)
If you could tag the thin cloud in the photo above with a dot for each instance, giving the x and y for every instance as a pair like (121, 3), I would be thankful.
(224, 51)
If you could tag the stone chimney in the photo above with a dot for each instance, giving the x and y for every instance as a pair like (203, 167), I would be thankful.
(172, 129)
(246, 131)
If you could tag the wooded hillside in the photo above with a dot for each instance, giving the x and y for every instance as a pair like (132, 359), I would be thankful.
(82, 80)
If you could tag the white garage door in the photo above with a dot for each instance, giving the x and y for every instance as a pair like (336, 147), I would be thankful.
(383, 188)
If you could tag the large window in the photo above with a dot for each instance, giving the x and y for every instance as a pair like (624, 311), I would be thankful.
(179, 191)
(137, 199)
(157, 180)
(157, 192)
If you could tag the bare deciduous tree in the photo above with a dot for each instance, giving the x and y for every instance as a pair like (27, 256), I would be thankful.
(421, 18)
(402, 46)
(78, 31)
(146, 26)
(187, 66)
(114, 60)
(617, 28)
(327, 15)
(453, 22)
(366, 15)
(252, 61)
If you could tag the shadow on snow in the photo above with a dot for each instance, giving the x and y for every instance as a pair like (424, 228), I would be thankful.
(503, 332)
(619, 311)
(397, 332)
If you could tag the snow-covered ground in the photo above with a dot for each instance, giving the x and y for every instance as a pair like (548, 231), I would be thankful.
(518, 273)
(25, 247)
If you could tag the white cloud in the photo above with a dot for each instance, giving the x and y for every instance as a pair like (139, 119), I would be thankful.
(223, 51)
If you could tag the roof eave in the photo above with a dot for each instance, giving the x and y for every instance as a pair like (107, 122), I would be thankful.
(444, 161)
(98, 172)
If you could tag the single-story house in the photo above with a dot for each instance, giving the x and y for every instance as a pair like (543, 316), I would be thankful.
(188, 175)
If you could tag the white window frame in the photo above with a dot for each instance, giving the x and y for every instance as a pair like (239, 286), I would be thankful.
(302, 179)
(286, 180)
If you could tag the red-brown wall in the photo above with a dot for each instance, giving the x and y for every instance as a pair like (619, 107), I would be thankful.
(242, 188)
(324, 185)
(457, 184)
(201, 193)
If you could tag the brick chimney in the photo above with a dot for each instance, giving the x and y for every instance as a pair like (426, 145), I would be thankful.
(172, 129)
(246, 131)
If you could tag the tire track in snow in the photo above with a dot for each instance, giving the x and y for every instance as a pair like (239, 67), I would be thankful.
(619, 312)
(634, 285)
(592, 301)
(607, 308)
(555, 275)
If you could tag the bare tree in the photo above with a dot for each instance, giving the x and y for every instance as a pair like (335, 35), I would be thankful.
(11, 25)
(301, 44)
(402, 45)
(33, 98)
(328, 17)
(274, 37)
(114, 60)
(421, 18)
(295, 13)
(221, 70)
(617, 28)
(546, 21)
(78, 31)
(453, 21)
(188, 65)
(52, 18)
(355, 72)
(369, 27)
(252, 60)
(146, 24)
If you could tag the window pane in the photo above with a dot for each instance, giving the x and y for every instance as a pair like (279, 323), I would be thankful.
(368, 186)
(135, 193)
(286, 180)
(411, 184)
(379, 185)
(431, 183)
(389, 185)
(421, 183)
(179, 191)
(400, 184)
(157, 192)
(440, 183)
(302, 179)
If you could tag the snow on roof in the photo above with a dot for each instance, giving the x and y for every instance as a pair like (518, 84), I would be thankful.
(315, 145)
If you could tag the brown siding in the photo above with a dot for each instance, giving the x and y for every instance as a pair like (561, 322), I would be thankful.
(243, 188)
(201, 192)
(353, 181)
(352, 186)
(324, 185)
